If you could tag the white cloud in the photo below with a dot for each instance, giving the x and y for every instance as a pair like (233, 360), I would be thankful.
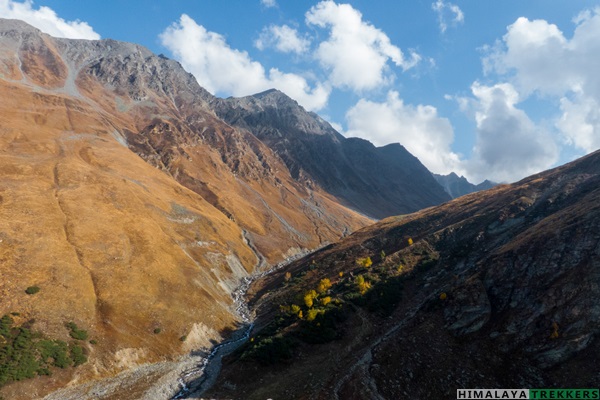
(539, 59)
(46, 20)
(508, 146)
(269, 3)
(580, 122)
(418, 128)
(223, 70)
(356, 54)
(282, 38)
(447, 11)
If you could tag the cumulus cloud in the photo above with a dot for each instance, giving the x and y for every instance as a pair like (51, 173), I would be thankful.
(418, 128)
(447, 13)
(538, 58)
(356, 53)
(509, 145)
(580, 122)
(46, 20)
(223, 70)
(282, 38)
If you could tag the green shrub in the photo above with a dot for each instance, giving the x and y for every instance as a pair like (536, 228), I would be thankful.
(270, 350)
(75, 332)
(385, 296)
(32, 290)
(323, 328)
(6, 323)
(77, 355)
(56, 351)
(157, 331)
(25, 354)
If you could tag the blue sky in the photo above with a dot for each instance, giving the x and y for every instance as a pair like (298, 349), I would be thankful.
(487, 89)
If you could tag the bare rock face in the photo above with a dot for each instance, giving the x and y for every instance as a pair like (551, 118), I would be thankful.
(499, 289)
(468, 309)
(378, 182)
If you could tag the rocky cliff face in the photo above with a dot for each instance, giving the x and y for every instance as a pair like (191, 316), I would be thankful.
(457, 186)
(494, 289)
(378, 182)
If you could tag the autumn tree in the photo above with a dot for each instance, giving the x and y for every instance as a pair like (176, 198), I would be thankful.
(361, 284)
(324, 285)
(365, 262)
(325, 300)
(309, 298)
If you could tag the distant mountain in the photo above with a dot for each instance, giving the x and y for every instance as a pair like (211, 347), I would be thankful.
(457, 186)
(494, 289)
(378, 182)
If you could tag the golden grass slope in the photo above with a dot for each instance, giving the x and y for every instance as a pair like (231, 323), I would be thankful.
(114, 244)
(140, 248)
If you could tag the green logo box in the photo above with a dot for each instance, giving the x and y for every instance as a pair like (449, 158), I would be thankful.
(560, 394)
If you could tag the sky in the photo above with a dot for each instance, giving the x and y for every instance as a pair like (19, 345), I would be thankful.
(493, 90)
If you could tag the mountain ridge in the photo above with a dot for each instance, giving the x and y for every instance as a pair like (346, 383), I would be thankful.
(493, 289)
(316, 153)
(457, 186)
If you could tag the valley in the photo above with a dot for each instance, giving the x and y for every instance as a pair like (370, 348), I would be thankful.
(160, 242)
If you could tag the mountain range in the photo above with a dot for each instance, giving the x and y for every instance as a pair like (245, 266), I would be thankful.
(133, 202)
(457, 186)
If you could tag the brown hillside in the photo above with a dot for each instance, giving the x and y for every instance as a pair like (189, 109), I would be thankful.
(133, 208)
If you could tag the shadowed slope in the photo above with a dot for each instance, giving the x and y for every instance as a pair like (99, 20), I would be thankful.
(494, 289)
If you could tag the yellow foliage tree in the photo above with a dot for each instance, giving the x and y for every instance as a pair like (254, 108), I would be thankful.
(361, 284)
(288, 276)
(324, 285)
(309, 297)
(365, 262)
(325, 300)
(443, 296)
(312, 313)
(410, 241)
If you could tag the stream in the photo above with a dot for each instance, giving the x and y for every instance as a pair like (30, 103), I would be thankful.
(197, 380)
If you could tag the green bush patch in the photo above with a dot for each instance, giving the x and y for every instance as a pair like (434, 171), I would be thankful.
(269, 350)
(75, 332)
(32, 290)
(25, 354)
